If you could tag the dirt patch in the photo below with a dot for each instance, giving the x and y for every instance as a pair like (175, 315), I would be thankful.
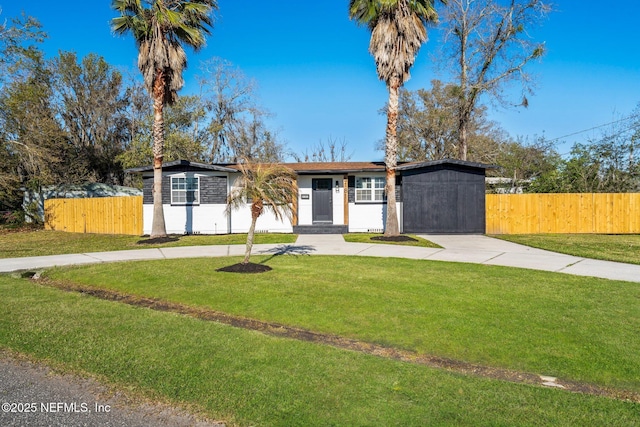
(27, 228)
(157, 240)
(398, 239)
(285, 331)
(248, 268)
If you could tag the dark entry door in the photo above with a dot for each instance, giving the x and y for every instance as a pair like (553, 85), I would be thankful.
(322, 201)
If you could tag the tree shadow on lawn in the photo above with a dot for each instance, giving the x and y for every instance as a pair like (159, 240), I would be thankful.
(158, 240)
(252, 268)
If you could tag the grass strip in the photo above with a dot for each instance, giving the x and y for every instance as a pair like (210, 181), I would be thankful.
(43, 242)
(576, 328)
(247, 378)
(607, 247)
(366, 238)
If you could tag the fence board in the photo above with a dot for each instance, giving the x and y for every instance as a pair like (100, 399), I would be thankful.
(103, 215)
(604, 213)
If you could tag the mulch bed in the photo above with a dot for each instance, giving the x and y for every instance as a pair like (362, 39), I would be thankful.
(250, 268)
(157, 240)
(394, 239)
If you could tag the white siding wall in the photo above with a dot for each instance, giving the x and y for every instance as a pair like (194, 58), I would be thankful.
(202, 219)
(370, 217)
(267, 222)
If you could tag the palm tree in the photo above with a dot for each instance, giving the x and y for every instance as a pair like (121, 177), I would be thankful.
(160, 27)
(398, 29)
(272, 186)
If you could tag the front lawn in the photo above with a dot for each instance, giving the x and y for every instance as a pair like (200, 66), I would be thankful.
(576, 328)
(42, 242)
(247, 378)
(608, 247)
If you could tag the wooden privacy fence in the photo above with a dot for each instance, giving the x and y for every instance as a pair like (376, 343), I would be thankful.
(105, 215)
(563, 213)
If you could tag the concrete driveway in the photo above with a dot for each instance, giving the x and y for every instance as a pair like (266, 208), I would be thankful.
(455, 248)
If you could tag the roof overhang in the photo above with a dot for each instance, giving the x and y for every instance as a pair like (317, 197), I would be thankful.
(183, 163)
(444, 162)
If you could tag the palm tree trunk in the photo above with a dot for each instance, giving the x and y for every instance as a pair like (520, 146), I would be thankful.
(252, 230)
(158, 228)
(391, 159)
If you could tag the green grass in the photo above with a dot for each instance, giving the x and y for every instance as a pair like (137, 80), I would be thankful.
(608, 247)
(578, 328)
(41, 242)
(247, 378)
(366, 238)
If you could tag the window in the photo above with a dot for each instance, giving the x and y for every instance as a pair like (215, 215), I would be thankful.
(370, 189)
(185, 190)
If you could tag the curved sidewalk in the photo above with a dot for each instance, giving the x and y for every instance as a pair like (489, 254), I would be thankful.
(455, 248)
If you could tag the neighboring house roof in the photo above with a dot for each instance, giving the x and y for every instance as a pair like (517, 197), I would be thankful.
(308, 168)
(183, 163)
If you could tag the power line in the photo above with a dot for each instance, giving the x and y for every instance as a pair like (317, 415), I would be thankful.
(633, 126)
(593, 128)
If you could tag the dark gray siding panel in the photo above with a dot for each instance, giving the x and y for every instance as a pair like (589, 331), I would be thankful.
(147, 190)
(213, 190)
(352, 189)
(444, 199)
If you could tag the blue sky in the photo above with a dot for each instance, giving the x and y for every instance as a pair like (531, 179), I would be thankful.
(316, 76)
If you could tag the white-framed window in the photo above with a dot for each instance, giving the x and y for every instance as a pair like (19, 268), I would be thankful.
(370, 189)
(185, 190)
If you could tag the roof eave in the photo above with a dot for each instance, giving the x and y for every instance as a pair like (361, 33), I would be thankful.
(182, 163)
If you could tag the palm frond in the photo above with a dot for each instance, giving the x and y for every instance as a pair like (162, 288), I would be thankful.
(270, 186)
(160, 29)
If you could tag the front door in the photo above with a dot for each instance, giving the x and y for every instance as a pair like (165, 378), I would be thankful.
(322, 202)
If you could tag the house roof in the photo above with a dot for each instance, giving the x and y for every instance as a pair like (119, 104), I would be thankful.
(335, 167)
(309, 168)
(184, 163)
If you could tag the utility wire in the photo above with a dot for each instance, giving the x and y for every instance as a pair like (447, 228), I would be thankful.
(633, 126)
(593, 128)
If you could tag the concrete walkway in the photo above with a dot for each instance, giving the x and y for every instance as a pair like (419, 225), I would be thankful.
(455, 248)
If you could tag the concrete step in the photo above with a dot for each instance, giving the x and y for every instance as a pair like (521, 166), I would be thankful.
(321, 229)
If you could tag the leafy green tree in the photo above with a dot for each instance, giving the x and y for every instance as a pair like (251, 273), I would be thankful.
(529, 165)
(608, 163)
(23, 77)
(160, 27)
(185, 139)
(428, 122)
(265, 186)
(33, 145)
(398, 29)
(93, 111)
(20, 38)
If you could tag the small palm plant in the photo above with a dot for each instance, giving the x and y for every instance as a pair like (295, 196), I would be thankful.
(265, 186)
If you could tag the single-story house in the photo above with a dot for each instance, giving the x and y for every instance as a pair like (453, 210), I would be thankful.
(444, 196)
